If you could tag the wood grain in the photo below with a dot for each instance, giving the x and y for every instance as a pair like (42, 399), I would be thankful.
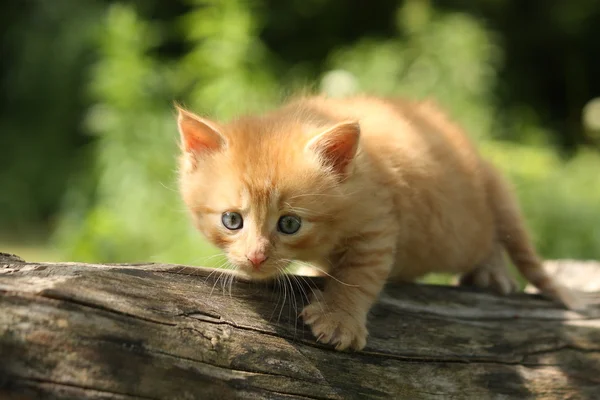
(156, 331)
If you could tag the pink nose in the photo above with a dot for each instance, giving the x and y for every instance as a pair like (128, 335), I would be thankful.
(256, 258)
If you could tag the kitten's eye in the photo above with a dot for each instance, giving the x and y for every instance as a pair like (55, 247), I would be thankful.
(289, 224)
(232, 220)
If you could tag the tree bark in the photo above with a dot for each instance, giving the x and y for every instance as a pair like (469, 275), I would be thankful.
(156, 331)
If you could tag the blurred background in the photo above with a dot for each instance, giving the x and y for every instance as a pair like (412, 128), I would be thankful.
(87, 131)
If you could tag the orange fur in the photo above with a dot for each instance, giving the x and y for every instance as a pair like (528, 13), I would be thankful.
(385, 189)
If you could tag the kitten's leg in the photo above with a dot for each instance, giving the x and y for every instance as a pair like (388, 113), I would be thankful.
(493, 273)
(339, 316)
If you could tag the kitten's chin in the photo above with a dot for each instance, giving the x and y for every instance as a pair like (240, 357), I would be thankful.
(260, 275)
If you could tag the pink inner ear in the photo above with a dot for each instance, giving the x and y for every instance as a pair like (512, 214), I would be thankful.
(338, 145)
(197, 134)
(341, 153)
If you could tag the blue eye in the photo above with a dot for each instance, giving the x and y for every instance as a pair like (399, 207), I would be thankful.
(289, 224)
(232, 220)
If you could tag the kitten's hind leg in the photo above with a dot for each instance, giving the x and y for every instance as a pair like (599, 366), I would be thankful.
(492, 273)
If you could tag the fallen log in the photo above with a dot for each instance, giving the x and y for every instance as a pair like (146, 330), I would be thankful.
(156, 331)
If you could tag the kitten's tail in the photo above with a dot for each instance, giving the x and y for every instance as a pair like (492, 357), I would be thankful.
(513, 235)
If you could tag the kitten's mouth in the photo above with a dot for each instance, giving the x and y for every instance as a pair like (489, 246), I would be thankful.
(269, 269)
(264, 272)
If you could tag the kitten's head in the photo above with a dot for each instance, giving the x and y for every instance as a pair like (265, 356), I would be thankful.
(266, 190)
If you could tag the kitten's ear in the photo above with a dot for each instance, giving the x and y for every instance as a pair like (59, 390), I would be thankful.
(337, 145)
(198, 135)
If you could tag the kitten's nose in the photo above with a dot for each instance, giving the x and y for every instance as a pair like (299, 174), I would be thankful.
(256, 258)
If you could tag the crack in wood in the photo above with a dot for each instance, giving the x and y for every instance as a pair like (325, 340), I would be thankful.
(297, 396)
(405, 358)
(54, 295)
(412, 358)
(13, 378)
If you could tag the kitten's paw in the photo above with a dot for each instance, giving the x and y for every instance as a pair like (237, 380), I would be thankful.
(335, 327)
(496, 279)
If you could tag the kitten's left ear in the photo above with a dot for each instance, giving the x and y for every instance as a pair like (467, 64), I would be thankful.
(337, 145)
(198, 135)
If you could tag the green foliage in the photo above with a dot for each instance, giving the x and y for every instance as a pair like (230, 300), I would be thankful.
(127, 208)
(449, 56)
(135, 212)
(43, 48)
(559, 199)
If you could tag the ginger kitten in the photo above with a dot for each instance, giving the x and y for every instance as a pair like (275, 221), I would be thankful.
(368, 189)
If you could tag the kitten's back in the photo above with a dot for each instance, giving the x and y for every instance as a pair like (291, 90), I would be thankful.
(453, 206)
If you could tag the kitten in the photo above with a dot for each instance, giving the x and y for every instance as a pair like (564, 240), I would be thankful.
(368, 189)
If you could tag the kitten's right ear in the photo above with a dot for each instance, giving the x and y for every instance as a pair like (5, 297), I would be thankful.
(337, 145)
(198, 135)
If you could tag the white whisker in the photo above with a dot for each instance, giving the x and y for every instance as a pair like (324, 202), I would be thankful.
(293, 293)
(218, 268)
(216, 281)
(301, 285)
(301, 210)
(329, 275)
(205, 259)
(278, 294)
(284, 299)
(168, 188)
(319, 194)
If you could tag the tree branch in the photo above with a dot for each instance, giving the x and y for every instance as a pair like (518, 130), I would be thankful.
(157, 331)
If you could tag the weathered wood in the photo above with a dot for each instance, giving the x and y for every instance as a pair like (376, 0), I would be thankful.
(159, 331)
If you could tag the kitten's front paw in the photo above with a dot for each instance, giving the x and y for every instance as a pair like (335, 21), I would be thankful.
(335, 327)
